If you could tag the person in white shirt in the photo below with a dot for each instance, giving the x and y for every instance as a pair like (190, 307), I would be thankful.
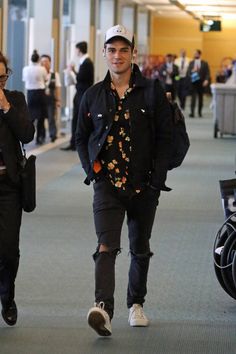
(53, 95)
(182, 87)
(35, 77)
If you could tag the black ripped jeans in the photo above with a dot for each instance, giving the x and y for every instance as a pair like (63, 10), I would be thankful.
(110, 207)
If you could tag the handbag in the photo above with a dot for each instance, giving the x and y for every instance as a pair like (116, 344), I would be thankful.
(28, 182)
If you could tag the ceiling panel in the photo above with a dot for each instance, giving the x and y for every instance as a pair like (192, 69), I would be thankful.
(195, 8)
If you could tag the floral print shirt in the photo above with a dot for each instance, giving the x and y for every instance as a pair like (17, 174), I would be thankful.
(115, 156)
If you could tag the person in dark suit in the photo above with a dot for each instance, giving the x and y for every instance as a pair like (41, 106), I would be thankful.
(199, 76)
(15, 127)
(168, 74)
(84, 79)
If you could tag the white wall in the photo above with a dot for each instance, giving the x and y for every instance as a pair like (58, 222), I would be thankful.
(40, 28)
(106, 20)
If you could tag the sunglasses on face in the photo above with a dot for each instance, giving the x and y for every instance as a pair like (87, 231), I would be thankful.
(3, 77)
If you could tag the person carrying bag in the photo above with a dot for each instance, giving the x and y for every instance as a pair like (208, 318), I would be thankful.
(15, 127)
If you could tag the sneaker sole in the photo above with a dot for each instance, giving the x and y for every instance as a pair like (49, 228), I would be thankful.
(138, 324)
(97, 322)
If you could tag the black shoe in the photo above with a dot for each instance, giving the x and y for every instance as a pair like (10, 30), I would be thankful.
(53, 139)
(9, 314)
(68, 148)
(200, 115)
(191, 115)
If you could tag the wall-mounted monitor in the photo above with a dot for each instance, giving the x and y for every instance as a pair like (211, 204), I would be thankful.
(210, 25)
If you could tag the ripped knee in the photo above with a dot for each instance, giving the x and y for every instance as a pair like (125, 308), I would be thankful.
(102, 248)
(148, 254)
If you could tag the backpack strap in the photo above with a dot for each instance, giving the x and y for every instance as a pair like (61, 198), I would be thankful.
(150, 97)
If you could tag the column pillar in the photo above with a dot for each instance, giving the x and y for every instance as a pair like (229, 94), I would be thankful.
(56, 33)
(3, 25)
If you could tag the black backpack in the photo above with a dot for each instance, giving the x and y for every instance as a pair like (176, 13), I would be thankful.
(180, 139)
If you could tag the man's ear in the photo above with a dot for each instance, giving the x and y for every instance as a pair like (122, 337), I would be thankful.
(103, 52)
(134, 54)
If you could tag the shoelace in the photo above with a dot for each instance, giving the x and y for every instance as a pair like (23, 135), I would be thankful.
(139, 312)
(101, 305)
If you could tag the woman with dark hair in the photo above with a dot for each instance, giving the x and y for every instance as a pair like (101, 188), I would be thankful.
(15, 127)
(35, 77)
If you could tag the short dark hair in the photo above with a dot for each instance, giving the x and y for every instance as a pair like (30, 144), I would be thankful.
(4, 61)
(82, 46)
(46, 56)
(35, 56)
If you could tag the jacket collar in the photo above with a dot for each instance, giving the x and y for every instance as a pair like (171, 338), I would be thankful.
(137, 79)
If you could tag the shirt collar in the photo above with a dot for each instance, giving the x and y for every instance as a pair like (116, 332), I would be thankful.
(136, 79)
(82, 59)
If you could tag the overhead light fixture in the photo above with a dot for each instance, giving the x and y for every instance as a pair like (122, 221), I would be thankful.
(184, 8)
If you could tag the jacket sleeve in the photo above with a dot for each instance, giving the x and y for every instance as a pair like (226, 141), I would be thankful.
(83, 132)
(17, 118)
(162, 138)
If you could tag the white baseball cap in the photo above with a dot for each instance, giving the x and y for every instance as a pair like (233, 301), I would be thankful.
(119, 31)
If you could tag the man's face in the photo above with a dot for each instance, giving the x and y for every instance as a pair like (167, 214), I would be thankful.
(46, 63)
(78, 52)
(169, 59)
(118, 55)
(197, 54)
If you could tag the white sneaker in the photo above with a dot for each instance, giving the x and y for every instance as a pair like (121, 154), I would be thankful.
(99, 320)
(137, 317)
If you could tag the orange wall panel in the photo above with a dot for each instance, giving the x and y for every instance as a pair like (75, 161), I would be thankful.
(169, 35)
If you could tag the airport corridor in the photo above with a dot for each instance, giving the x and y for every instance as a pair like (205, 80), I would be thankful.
(188, 310)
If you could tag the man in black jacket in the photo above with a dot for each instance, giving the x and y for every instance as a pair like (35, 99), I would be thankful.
(124, 150)
(168, 75)
(15, 126)
(199, 77)
(84, 79)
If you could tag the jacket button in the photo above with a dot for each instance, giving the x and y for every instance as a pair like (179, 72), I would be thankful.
(99, 144)
(106, 127)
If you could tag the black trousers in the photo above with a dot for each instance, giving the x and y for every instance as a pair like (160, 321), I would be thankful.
(51, 115)
(76, 104)
(182, 90)
(36, 100)
(197, 90)
(109, 208)
(10, 221)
